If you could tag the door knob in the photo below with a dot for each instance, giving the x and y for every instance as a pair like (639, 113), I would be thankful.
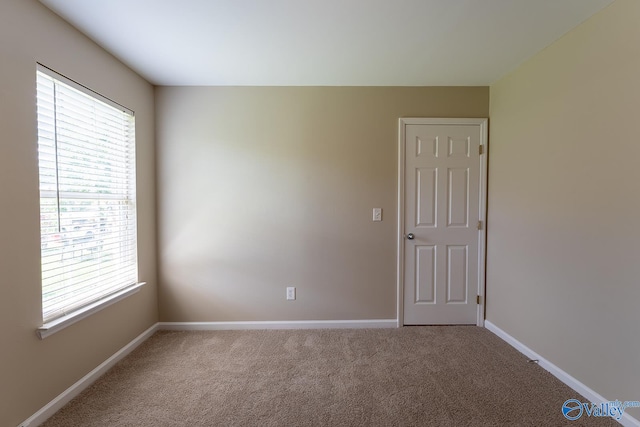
(410, 236)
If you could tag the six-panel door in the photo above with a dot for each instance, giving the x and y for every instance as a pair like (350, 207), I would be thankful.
(442, 210)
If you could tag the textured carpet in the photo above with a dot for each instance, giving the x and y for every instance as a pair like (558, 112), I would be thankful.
(413, 376)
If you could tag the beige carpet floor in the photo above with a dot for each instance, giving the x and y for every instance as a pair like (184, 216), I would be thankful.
(413, 376)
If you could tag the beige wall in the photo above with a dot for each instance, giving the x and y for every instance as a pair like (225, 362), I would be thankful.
(32, 372)
(564, 203)
(263, 188)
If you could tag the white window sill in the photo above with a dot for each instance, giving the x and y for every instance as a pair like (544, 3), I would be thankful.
(60, 323)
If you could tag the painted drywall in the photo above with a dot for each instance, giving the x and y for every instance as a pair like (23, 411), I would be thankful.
(261, 188)
(32, 372)
(563, 275)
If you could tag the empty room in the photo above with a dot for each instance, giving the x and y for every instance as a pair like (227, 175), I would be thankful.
(319, 213)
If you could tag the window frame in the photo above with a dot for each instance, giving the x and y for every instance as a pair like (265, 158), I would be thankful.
(111, 294)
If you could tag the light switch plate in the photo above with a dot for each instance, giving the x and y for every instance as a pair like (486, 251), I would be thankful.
(377, 214)
(291, 293)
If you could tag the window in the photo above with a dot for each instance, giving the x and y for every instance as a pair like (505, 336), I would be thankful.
(86, 152)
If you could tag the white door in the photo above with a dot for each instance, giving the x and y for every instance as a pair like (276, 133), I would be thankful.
(443, 238)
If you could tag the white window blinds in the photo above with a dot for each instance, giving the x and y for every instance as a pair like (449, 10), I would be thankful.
(86, 149)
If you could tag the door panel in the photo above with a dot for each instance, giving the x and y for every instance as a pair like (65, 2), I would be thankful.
(426, 201)
(442, 207)
(458, 197)
(457, 274)
(425, 257)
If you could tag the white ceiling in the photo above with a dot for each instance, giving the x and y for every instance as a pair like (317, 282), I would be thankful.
(324, 42)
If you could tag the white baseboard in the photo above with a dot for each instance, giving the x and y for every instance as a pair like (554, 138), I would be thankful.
(626, 420)
(65, 397)
(284, 324)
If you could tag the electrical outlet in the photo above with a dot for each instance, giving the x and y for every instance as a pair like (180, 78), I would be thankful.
(291, 293)
(377, 214)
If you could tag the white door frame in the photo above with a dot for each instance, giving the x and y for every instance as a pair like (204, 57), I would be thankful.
(403, 122)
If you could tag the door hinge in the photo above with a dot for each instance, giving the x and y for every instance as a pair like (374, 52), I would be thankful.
(478, 299)
(480, 149)
(479, 225)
